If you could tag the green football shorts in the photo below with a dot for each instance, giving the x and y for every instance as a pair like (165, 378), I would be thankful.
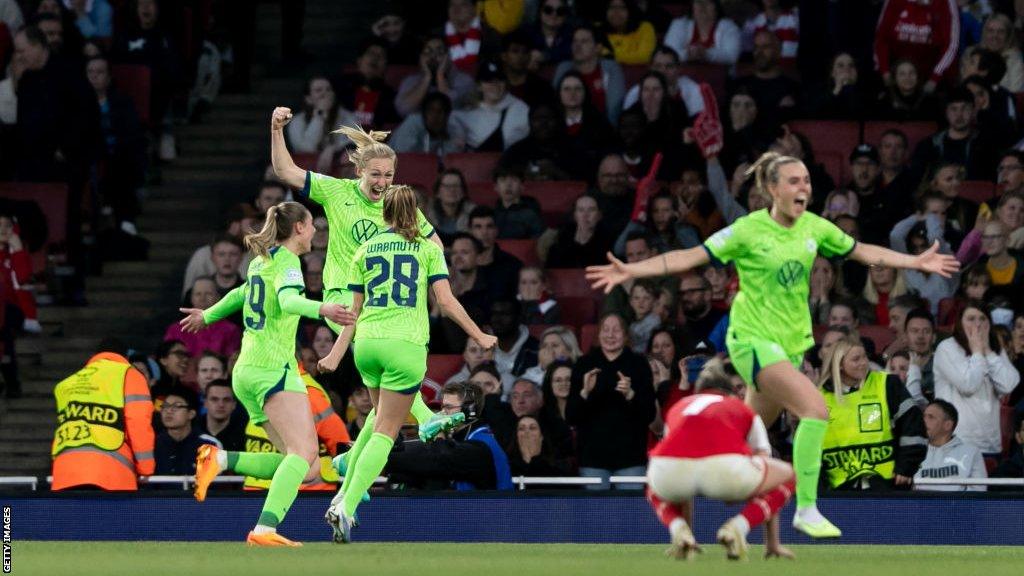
(750, 355)
(394, 365)
(254, 385)
(337, 296)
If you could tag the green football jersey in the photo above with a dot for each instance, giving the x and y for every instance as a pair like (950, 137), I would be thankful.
(352, 219)
(268, 338)
(394, 276)
(774, 264)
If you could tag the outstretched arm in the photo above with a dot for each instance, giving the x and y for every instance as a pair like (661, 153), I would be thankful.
(611, 275)
(930, 260)
(330, 362)
(452, 308)
(284, 167)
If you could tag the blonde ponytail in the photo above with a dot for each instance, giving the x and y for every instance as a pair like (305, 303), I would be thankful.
(766, 170)
(369, 145)
(277, 227)
(832, 365)
(400, 212)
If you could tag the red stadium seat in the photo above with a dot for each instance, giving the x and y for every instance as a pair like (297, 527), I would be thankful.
(915, 131)
(829, 136)
(557, 197)
(1006, 425)
(714, 75)
(537, 329)
(482, 193)
(417, 168)
(52, 199)
(441, 367)
(133, 81)
(880, 335)
(566, 282)
(577, 310)
(588, 337)
(977, 191)
(632, 73)
(947, 311)
(305, 160)
(835, 165)
(475, 166)
(525, 250)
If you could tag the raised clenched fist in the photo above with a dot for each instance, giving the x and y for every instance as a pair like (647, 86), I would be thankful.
(280, 118)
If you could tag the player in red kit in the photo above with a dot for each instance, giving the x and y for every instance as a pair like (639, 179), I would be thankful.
(717, 447)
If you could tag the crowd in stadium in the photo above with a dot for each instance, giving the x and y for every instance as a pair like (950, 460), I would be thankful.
(543, 134)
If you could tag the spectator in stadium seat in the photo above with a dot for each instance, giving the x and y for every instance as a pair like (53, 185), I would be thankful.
(557, 344)
(516, 351)
(1012, 466)
(470, 286)
(914, 235)
(499, 268)
(906, 99)
(586, 129)
(879, 209)
(948, 455)
(856, 456)
(665, 116)
(222, 421)
(16, 273)
(776, 94)
(175, 447)
(637, 247)
(959, 142)
(226, 254)
(746, 133)
(523, 83)
(847, 313)
(999, 36)
(463, 34)
(826, 287)
(990, 66)
(842, 96)
(499, 119)
(631, 36)
(798, 145)
(898, 364)
(602, 76)
(437, 74)
(312, 129)
(993, 120)
(144, 40)
(472, 355)
(240, 220)
(1010, 173)
(614, 384)
(780, 18)
(642, 298)
(695, 306)
(516, 216)
(432, 130)
(893, 155)
(211, 366)
(882, 286)
(392, 28)
(614, 193)
(939, 194)
(661, 226)
(359, 406)
(547, 153)
(551, 35)
(94, 18)
(972, 371)
(172, 361)
(313, 275)
(932, 48)
(538, 305)
(1005, 266)
(556, 387)
(704, 35)
(366, 93)
(530, 453)
(681, 88)
(223, 337)
(448, 211)
(11, 15)
(584, 241)
(124, 152)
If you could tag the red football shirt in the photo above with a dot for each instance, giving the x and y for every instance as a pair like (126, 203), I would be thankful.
(706, 425)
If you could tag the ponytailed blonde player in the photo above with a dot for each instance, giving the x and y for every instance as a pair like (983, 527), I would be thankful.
(770, 323)
(390, 276)
(266, 377)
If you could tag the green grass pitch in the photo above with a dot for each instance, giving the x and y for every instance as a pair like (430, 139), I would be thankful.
(449, 559)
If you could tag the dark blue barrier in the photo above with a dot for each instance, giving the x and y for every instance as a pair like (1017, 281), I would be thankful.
(488, 517)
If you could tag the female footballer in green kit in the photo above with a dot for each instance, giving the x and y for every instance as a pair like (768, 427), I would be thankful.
(389, 277)
(354, 215)
(266, 378)
(769, 323)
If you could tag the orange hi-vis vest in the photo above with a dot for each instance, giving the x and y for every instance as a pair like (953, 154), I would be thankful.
(104, 433)
(330, 431)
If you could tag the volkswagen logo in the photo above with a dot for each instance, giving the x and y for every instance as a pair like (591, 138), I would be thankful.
(790, 274)
(363, 230)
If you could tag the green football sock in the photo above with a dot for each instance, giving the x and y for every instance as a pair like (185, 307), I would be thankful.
(371, 462)
(420, 411)
(260, 465)
(810, 434)
(283, 489)
(357, 447)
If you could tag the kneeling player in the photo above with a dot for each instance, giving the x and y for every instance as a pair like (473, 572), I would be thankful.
(715, 446)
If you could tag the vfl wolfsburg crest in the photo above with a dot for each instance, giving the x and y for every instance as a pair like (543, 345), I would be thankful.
(363, 230)
(790, 274)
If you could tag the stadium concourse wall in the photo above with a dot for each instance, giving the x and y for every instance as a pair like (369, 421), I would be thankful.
(539, 517)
